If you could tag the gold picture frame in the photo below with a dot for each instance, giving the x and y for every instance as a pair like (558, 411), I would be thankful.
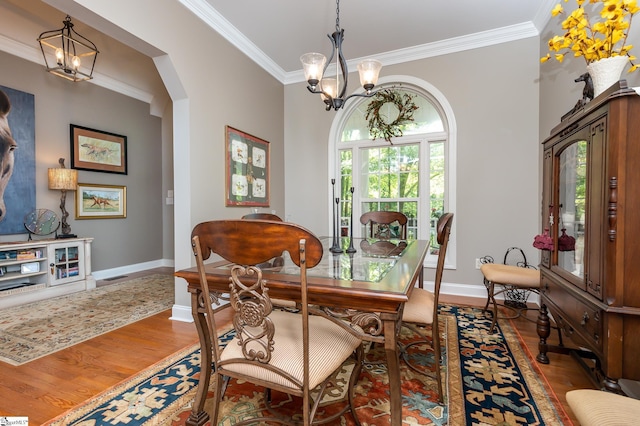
(101, 201)
(247, 169)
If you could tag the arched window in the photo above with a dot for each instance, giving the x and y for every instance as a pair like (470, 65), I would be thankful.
(414, 174)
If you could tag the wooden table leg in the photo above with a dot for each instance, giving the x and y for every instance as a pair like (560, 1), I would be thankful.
(198, 416)
(393, 366)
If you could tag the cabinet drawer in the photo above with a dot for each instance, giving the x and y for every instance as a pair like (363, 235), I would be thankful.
(573, 315)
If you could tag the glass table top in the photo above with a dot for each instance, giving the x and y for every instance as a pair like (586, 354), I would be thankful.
(372, 260)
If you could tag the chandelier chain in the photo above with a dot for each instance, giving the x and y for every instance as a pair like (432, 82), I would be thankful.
(337, 15)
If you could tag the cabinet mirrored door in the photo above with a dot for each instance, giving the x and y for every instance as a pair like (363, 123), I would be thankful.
(570, 230)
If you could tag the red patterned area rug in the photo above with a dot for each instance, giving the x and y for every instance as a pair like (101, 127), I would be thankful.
(490, 380)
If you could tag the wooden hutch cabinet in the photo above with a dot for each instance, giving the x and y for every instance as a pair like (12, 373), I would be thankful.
(590, 282)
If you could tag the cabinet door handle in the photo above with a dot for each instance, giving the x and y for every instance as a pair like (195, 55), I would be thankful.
(51, 265)
(585, 319)
(613, 208)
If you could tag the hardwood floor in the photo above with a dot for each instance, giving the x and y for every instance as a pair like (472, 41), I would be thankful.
(47, 387)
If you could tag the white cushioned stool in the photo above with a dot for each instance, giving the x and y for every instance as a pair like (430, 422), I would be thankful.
(509, 277)
(599, 408)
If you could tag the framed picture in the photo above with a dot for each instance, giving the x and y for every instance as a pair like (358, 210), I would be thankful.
(247, 169)
(101, 201)
(98, 151)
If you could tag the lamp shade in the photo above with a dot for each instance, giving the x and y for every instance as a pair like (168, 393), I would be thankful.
(313, 66)
(369, 70)
(329, 86)
(60, 178)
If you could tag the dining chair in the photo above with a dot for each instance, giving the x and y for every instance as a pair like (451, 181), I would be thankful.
(515, 281)
(422, 306)
(295, 353)
(262, 216)
(380, 224)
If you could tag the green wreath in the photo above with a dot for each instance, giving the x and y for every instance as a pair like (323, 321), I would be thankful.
(378, 127)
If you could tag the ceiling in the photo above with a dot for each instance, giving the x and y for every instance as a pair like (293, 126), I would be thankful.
(390, 30)
(274, 33)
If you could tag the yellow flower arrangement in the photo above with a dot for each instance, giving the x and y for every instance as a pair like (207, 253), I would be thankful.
(604, 38)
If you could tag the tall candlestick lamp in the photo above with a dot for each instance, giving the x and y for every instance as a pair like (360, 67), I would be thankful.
(65, 180)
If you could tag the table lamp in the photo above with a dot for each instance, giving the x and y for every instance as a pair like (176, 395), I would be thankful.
(65, 180)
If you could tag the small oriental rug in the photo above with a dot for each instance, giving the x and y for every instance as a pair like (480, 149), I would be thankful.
(489, 381)
(37, 329)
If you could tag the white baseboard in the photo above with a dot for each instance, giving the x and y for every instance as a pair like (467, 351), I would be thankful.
(478, 291)
(129, 269)
(181, 313)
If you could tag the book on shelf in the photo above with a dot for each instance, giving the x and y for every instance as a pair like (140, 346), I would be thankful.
(26, 254)
(8, 255)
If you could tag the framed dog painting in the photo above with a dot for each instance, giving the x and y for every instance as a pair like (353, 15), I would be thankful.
(101, 201)
(98, 151)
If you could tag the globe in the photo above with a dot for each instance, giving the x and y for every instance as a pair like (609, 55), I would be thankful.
(41, 222)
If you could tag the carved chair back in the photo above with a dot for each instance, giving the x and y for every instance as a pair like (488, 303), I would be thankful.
(262, 216)
(382, 224)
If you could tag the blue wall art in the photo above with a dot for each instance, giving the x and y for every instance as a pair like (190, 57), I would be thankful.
(20, 191)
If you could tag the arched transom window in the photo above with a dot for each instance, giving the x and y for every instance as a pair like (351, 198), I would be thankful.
(410, 174)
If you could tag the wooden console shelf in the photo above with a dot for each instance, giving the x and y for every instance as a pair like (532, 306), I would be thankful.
(37, 270)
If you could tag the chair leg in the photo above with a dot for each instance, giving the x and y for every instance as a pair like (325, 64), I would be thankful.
(217, 397)
(437, 353)
(491, 296)
(355, 374)
(488, 286)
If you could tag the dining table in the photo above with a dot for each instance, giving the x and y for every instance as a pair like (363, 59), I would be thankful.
(367, 286)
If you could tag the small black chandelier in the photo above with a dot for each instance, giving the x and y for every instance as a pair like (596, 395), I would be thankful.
(67, 54)
(332, 90)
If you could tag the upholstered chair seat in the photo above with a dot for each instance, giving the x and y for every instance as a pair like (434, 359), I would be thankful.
(599, 408)
(508, 277)
(419, 308)
(329, 346)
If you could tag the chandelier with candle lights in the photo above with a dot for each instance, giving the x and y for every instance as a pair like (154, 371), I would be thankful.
(333, 90)
(67, 54)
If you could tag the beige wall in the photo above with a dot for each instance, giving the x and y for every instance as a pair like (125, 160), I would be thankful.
(212, 85)
(59, 103)
(493, 93)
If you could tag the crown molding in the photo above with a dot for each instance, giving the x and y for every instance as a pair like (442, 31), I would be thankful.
(221, 25)
(212, 17)
(444, 47)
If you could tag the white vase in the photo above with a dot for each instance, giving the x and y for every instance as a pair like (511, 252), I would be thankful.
(606, 72)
